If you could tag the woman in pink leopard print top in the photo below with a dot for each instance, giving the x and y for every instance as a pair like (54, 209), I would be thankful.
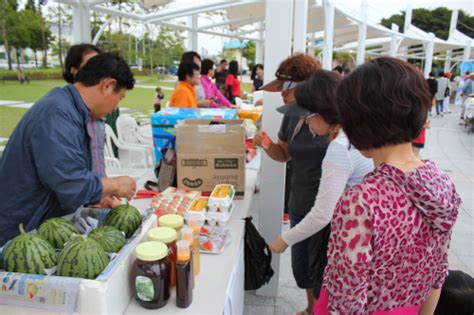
(390, 234)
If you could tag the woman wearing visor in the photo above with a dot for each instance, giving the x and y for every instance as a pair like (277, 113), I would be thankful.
(304, 153)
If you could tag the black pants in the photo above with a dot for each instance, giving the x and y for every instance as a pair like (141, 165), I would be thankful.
(287, 187)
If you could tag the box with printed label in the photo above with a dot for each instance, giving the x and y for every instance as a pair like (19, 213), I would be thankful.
(211, 152)
(164, 121)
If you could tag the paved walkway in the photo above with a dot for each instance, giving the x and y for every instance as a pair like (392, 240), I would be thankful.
(17, 104)
(449, 145)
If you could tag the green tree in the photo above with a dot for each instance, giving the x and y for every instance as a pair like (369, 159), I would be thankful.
(436, 21)
(8, 17)
(30, 5)
(249, 52)
(58, 16)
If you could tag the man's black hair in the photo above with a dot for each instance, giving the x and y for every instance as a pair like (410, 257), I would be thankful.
(186, 68)
(105, 66)
(189, 56)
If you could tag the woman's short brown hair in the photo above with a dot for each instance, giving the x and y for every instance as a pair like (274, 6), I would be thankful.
(383, 102)
(298, 67)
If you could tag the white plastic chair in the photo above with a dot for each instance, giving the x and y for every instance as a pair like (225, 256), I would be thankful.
(139, 154)
(129, 134)
(257, 95)
(239, 102)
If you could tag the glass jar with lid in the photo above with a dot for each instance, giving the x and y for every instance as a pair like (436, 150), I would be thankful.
(174, 221)
(151, 275)
(168, 236)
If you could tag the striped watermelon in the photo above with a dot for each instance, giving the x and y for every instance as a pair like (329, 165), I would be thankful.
(109, 238)
(82, 257)
(28, 253)
(125, 218)
(57, 231)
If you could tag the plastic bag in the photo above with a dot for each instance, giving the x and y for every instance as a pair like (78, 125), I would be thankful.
(258, 258)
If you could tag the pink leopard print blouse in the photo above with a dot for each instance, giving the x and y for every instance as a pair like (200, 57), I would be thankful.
(389, 241)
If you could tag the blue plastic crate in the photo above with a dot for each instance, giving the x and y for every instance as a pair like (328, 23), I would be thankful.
(163, 122)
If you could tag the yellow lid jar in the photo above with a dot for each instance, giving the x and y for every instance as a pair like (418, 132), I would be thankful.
(174, 221)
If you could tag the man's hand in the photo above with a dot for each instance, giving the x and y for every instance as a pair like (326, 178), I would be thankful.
(279, 245)
(126, 187)
(109, 202)
(120, 187)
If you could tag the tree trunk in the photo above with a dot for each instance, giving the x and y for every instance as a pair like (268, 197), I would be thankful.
(17, 58)
(7, 46)
(60, 49)
(36, 58)
(43, 38)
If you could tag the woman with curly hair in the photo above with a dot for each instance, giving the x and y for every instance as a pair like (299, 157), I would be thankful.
(303, 152)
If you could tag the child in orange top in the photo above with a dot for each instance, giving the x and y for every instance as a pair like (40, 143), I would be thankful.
(184, 95)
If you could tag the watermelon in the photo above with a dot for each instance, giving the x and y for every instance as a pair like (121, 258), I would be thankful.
(82, 257)
(109, 238)
(125, 218)
(28, 253)
(57, 231)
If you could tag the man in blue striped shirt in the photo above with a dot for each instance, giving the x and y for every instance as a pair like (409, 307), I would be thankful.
(46, 169)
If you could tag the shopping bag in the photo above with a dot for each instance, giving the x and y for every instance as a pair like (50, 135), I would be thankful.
(258, 258)
(167, 171)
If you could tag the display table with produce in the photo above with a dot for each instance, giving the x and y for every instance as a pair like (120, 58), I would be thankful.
(220, 285)
(99, 261)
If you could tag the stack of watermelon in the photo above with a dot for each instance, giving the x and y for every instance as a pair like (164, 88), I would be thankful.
(28, 253)
(109, 238)
(81, 256)
(125, 218)
(57, 231)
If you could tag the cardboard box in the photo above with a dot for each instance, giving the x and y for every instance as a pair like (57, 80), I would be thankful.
(211, 154)
(163, 122)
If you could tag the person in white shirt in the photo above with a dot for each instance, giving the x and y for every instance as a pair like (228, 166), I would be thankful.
(342, 167)
(443, 86)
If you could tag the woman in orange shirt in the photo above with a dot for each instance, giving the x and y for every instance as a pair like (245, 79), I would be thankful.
(184, 95)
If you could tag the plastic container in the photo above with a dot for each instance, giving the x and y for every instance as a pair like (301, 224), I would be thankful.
(219, 218)
(171, 220)
(196, 227)
(184, 275)
(167, 236)
(151, 273)
(197, 209)
(187, 233)
(222, 195)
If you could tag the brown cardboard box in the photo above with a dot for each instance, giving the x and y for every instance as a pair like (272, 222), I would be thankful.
(211, 154)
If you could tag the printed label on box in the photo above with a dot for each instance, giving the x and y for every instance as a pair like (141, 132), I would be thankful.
(192, 183)
(194, 163)
(225, 164)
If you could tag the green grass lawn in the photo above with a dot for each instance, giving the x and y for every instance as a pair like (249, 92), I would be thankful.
(140, 99)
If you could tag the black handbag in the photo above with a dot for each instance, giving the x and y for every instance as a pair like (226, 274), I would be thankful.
(165, 171)
(258, 258)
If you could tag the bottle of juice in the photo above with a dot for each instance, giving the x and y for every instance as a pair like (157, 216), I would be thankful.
(184, 274)
(196, 250)
(187, 234)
